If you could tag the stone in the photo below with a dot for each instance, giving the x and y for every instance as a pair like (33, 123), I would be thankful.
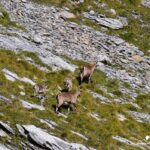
(3, 147)
(145, 3)
(48, 141)
(137, 58)
(102, 20)
(6, 127)
(121, 117)
(4, 99)
(22, 93)
(100, 97)
(91, 12)
(80, 135)
(28, 105)
(123, 20)
(37, 39)
(3, 134)
(113, 11)
(147, 138)
(66, 15)
(140, 145)
(97, 117)
(13, 77)
(24, 1)
(140, 117)
(81, 1)
(50, 123)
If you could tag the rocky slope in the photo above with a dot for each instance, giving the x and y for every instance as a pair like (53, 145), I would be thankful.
(44, 45)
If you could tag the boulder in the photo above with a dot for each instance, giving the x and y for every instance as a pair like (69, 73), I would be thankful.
(137, 58)
(145, 3)
(47, 141)
(66, 15)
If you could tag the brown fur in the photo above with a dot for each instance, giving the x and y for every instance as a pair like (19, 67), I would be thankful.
(70, 97)
(87, 72)
(40, 89)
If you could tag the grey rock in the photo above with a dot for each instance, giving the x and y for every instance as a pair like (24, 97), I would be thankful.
(96, 95)
(113, 11)
(3, 134)
(28, 105)
(6, 127)
(37, 39)
(80, 135)
(13, 77)
(66, 15)
(3, 147)
(140, 117)
(141, 145)
(4, 99)
(108, 22)
(24, 1)
(81, 1)
(47, 141)
(91, 12)
(145, 3)
(50, 123)
(123, 20)
(97, 117)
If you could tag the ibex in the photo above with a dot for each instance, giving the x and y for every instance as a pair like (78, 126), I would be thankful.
(40, 89)
(68, 83)
(87, 71)
(69, 97)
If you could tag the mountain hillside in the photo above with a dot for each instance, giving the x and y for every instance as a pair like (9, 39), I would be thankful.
(44, 41)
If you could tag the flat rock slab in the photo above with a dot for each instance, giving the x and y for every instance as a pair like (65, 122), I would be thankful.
(140, 117)
(50, 123)
(107, 22)
(28, 105)
(140, 145)
(4, 99)
(13, 77)
(47, 141)
(6, 127)
(20, 44)
(98, 96)
(80, 135)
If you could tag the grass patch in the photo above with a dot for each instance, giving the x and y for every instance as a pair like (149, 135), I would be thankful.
(143, 100)
(5, 20)
(99, 133)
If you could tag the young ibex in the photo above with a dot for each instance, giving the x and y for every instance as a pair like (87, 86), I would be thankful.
(68, 83)
(87, 71)
(69, 97)
(40, 89)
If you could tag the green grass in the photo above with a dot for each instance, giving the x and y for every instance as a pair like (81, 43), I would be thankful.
(98, 133)
(143, 100)
(5, 20)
